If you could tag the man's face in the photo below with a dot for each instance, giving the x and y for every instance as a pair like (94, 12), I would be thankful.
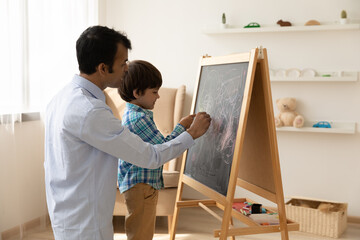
(120, 67)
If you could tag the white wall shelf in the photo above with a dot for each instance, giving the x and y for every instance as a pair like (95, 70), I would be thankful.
(336, 127)
(347, 77)
(327, 27)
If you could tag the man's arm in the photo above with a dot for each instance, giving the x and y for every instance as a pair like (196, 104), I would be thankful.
(105, 132)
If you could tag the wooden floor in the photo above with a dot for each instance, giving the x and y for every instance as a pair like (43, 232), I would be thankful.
(196, 224)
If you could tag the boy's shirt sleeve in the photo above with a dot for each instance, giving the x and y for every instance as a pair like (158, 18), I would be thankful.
(146, 129)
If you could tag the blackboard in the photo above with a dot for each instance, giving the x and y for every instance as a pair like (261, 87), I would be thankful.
(220, 93)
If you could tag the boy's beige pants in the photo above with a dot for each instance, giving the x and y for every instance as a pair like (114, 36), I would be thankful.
(141, 202)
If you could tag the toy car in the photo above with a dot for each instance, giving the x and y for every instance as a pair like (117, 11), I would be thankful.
(322, 124)
(252, 25)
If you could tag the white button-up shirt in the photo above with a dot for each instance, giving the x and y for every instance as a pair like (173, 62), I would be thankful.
(83, 141)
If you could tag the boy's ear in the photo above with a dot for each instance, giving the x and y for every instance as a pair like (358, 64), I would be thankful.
(136, 93)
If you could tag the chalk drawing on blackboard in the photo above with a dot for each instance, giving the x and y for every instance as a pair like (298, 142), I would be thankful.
(220, 93)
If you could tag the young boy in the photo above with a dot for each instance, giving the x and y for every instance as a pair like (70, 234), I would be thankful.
(140, 185)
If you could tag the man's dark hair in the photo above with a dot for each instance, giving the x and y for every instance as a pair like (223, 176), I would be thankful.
(141, 75)
(98, 44)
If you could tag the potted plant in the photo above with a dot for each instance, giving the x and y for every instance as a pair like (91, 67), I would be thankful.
(223, 20)
(343, 17)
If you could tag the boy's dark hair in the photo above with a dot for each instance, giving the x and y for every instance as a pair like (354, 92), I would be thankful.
(140, 76)
(98, 44)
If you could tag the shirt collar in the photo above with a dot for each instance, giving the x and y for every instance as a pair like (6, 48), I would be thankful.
(89, 86)
(136, 108)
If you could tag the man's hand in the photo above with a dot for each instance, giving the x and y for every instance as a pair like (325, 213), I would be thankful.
(200, 125)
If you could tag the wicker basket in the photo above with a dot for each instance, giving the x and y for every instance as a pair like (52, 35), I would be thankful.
(320, 217)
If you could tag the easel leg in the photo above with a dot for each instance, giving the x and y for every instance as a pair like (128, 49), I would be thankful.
(284, 235)
(232, 224)
(225, 222)
(174, 223)
(176, 212)
(170, 219)
(283, 224)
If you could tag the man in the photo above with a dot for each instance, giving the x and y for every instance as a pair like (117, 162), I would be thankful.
(83, 141)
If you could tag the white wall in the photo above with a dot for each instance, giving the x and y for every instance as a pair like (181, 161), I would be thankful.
(22, 189)
(169, 34)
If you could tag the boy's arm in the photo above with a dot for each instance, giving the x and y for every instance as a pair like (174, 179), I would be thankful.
(179, 129)
(184, 124)
(146, 129)
(187, 121)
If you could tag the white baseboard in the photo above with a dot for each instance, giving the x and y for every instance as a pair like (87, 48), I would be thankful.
(21, 230)
(353, 219)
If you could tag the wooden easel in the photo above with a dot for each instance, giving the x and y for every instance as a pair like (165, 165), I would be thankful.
(255, 163)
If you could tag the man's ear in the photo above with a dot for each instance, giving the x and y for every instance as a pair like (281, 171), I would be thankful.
(102, 68)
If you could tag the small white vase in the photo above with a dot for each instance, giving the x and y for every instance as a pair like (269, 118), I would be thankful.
(343, 20)
(224, 25)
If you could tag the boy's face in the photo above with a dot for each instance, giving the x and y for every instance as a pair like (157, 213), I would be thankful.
(147, 99)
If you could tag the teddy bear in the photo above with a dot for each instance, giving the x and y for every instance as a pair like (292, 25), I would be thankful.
(287, 115)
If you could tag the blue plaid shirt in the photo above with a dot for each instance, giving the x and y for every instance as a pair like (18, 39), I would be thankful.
(140, 121)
